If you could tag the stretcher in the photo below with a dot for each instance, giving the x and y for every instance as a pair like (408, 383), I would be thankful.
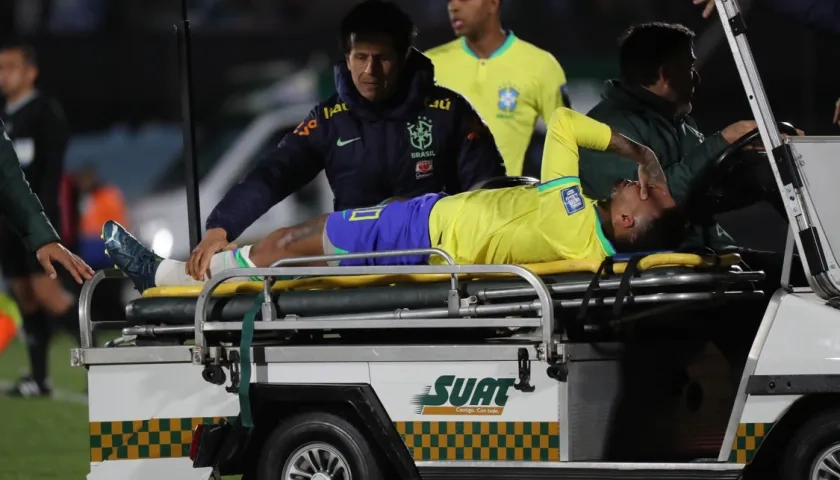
(585, 289)
(592, 296)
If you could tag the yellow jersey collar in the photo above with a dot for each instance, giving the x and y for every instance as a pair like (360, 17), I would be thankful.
(499, 51)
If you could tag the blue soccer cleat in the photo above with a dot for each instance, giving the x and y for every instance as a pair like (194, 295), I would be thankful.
(129, 255)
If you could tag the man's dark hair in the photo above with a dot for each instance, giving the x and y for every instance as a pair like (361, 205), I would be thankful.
(666, 232)
(27, 50)
(645, 48)
(378, 17)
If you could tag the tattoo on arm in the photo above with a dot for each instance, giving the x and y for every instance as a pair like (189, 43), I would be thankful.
(640, 154)
(302, 231)
(627, 148)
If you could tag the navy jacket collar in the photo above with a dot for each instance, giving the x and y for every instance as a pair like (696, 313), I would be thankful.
(416, 83)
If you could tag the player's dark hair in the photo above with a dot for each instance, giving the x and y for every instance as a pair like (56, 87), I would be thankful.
(27, 50)
(666, 232)
(378, 17)
(647, 47)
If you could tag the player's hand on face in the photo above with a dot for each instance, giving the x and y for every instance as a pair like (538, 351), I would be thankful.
(708, 9)
(55, 252)
(650, 173)
(214, 241)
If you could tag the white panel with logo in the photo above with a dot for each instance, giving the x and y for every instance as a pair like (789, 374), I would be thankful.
(463, 391)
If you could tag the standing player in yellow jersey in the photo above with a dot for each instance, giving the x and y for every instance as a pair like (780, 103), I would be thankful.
(509, 81)
(520, 225)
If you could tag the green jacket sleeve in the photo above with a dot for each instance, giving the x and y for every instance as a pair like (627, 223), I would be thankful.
(18, 204)
(600, 170)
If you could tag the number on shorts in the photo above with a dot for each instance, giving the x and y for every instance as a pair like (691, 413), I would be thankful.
(365, 214)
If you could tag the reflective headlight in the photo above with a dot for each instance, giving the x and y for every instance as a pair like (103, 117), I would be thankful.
(162, 242)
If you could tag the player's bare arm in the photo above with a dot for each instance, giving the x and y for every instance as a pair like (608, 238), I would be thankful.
(650, 171)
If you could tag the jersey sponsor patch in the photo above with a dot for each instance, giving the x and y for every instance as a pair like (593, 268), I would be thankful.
(572, 199)
(423, 169)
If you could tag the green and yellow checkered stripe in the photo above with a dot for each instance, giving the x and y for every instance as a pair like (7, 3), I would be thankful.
(534, 441)
(171, 438)
(135, 439)
(747, 440)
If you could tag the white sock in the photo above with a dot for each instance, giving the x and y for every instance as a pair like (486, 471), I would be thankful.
(172, 273)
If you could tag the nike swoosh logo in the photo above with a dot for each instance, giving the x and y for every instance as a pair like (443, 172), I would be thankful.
(341, 143)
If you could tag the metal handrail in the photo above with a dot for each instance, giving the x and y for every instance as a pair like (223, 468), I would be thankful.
(86, 301)
(546, 310)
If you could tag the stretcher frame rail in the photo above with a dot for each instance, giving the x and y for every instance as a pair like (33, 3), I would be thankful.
(285, 268)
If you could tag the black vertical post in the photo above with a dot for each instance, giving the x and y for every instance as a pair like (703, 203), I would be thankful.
(185, 64)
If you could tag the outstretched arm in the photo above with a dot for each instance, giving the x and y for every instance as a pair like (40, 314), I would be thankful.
(294, 163)
(650, 172)
(601, 169)
(24, 211)
(568, 130)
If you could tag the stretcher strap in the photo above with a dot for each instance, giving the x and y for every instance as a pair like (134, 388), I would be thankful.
(606, 268)
(630, 271)
(245, 362)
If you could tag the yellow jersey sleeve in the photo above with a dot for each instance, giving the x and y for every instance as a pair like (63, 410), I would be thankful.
(567, 131)
(552, 81)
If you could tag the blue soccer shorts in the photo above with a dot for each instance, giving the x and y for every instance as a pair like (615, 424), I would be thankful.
(395, 226)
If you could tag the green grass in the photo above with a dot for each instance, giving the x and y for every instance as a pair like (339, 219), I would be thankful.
(45, 438)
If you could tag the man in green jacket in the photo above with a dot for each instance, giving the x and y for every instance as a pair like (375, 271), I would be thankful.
(22, 209)
(651, 104)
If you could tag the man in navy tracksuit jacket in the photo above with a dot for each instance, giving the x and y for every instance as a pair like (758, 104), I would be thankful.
(388, 132)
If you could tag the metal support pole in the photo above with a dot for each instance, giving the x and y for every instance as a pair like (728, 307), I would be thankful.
(780, 155)
(190, 162)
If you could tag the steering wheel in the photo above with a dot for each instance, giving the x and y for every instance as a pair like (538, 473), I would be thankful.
(736, 179)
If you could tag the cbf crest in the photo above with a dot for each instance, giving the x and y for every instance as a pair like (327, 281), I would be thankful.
(420, 137)
(508, 101)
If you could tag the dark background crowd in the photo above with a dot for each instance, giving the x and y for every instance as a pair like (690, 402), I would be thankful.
(113, 61)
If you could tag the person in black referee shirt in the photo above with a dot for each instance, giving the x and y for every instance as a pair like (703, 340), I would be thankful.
(40, 133)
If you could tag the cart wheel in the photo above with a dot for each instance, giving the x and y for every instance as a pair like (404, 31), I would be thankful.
(317, 446)
(813, 452)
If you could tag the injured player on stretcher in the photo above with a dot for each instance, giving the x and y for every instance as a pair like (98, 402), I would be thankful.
(517, 225)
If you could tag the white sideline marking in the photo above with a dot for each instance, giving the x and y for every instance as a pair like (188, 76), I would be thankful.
(57, 394)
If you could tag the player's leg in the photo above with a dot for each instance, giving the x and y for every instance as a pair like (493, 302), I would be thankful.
(36, 330)
(303, 240)
(148, 270)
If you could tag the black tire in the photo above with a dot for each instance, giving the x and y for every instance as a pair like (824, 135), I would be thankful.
(320, 427)
(808, 444)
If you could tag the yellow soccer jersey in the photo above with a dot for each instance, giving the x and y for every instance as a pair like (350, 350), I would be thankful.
(530, 224)
(510, 90)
